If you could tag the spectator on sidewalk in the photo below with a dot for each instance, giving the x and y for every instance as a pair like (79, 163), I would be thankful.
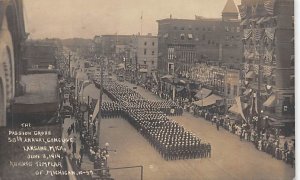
(81, 152)
(69, 144)
(74, 148)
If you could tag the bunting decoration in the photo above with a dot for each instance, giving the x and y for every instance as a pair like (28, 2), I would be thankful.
(270, 33)
(247, 33)
(268, 56)
(243, 11)
(257, 33)
(255, 68)
(96, 111)
(246, 67)
(256, 54)
(240, 108)
(269, 6)
(267, 70)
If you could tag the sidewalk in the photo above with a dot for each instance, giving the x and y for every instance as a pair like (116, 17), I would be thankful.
(86, 164)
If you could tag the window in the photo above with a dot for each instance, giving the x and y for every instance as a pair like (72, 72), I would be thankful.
(292, 60)
(208, 42)
(286, 105)
(226, 28)
(292, 80)
(153, 43)
(182, 36)
(145, 62)
(145, 51)
(197, 29)
(175, 27)
(235, 90)
(228, 88)
(203, 37)
(152, 52)
(152, 62)
(182, 28)
(145, 43)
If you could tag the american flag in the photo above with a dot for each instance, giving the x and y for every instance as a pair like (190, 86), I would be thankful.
(243, 11)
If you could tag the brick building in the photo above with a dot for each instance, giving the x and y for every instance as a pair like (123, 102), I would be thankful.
(268, 70)
(185, 42)
(143, 53)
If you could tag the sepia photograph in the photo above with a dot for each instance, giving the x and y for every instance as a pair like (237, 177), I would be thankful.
(147, 90)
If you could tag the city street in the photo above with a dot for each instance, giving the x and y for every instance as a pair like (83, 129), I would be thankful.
(231, 158)
(200, 90)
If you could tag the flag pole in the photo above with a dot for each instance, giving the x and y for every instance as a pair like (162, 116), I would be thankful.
(142, 23)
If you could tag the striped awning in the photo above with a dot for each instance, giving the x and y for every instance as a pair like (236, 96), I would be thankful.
(203, 93)
(250, 74)
(210, 100)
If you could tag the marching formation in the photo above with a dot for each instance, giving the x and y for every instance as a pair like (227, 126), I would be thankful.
(169, 138)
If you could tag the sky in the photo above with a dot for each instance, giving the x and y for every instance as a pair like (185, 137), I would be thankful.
(87, 18)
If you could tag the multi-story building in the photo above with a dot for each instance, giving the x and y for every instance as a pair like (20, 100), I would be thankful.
(143, 53)
(12, 36)
(183, 42)
(268, 46)
(40, 54)
(108, 45)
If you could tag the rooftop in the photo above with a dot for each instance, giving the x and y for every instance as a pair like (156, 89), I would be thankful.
(40, 88)
(230, 7)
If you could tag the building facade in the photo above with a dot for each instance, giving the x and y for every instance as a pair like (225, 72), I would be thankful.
(268, 68)
(108, 45)
(12, 36)
(143, 53)
(184, 42)
(40, 54)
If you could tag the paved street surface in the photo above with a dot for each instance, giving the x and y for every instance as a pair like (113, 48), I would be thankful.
(231, 158)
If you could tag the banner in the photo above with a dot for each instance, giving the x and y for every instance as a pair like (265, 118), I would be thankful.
(96, 111)
(240, 107)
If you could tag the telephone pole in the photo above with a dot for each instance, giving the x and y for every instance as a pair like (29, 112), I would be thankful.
(69, 64)
(100, 99)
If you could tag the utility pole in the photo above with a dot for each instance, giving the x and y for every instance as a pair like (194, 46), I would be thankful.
(100, 99)
(136, 68)
(259, 90)
(69, 63)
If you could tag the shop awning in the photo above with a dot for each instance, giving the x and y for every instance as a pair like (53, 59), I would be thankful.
(235, 109)
(270, 102)
(203, 93)
(210, 100)
(167, 77)
(247, 92)
(143, 70)
(244, 22)
(180, 88)
(250, 74)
